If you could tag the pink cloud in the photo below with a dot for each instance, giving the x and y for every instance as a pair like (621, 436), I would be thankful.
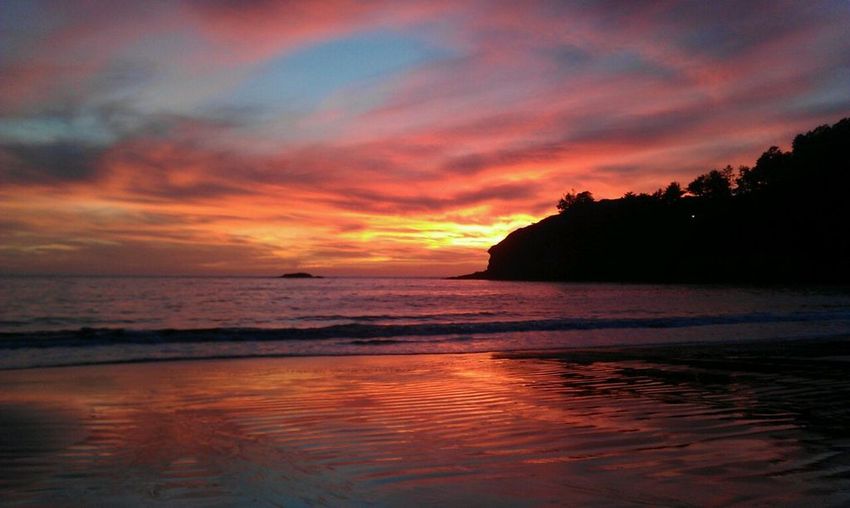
(534, 99)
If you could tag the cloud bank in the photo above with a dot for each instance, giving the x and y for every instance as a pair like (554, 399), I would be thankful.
(375, 137)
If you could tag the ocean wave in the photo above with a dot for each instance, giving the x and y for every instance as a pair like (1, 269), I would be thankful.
(441, 316)
(374, 333)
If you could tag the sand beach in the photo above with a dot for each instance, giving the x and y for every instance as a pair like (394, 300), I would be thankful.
(677, 425)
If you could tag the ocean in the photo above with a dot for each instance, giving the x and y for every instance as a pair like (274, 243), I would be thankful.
(344, 392)
(48, 321)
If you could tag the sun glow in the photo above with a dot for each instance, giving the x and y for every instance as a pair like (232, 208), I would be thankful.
(344, 138)
(434, 233)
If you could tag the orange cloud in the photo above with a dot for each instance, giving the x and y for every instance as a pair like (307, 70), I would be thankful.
(129, 145)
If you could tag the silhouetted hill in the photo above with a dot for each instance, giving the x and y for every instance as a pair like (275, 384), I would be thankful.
(785, 220)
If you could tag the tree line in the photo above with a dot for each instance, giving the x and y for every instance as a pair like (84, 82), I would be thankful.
(783, 219)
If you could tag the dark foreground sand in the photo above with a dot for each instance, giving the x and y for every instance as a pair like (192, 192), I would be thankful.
(755, 424)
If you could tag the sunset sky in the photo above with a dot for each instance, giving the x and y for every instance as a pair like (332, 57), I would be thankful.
(376, 138)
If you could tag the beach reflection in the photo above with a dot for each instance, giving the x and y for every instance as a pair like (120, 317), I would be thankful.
(575, 428)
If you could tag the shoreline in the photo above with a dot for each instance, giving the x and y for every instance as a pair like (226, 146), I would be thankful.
(619, 425)
(613, 350)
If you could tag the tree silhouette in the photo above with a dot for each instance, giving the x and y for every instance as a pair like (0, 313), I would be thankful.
(571, 201)
(783, 221)
(771, 169)
(716, 184)
(673, 192)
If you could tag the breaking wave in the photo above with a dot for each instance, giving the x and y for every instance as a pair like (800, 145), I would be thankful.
(366, 334)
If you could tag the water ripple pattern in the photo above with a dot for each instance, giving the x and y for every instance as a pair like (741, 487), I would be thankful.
(673, 426)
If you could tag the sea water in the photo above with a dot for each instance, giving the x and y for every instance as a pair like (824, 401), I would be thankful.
(729, 421)
(82, 320)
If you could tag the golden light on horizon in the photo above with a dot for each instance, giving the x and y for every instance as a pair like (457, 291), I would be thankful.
(343, 137)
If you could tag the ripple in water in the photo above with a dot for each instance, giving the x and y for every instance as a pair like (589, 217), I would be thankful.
(701, 425)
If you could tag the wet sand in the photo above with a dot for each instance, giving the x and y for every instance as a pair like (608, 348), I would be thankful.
(713, 425)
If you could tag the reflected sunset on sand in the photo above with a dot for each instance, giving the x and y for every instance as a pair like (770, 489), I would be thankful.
(477, 428)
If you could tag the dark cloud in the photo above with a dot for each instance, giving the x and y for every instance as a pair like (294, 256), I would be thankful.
(530, 152)
(619, 130)
(620, 169)
(388, 202)
(233, 7)
(49, 163)
(162, 257)
(636, 129)
(718, 29)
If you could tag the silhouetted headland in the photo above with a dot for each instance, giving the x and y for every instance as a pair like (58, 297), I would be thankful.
(784, 220)
(299, 275)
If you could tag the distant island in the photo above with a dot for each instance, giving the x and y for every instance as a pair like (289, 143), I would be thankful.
(784, 220)
(299, 275)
